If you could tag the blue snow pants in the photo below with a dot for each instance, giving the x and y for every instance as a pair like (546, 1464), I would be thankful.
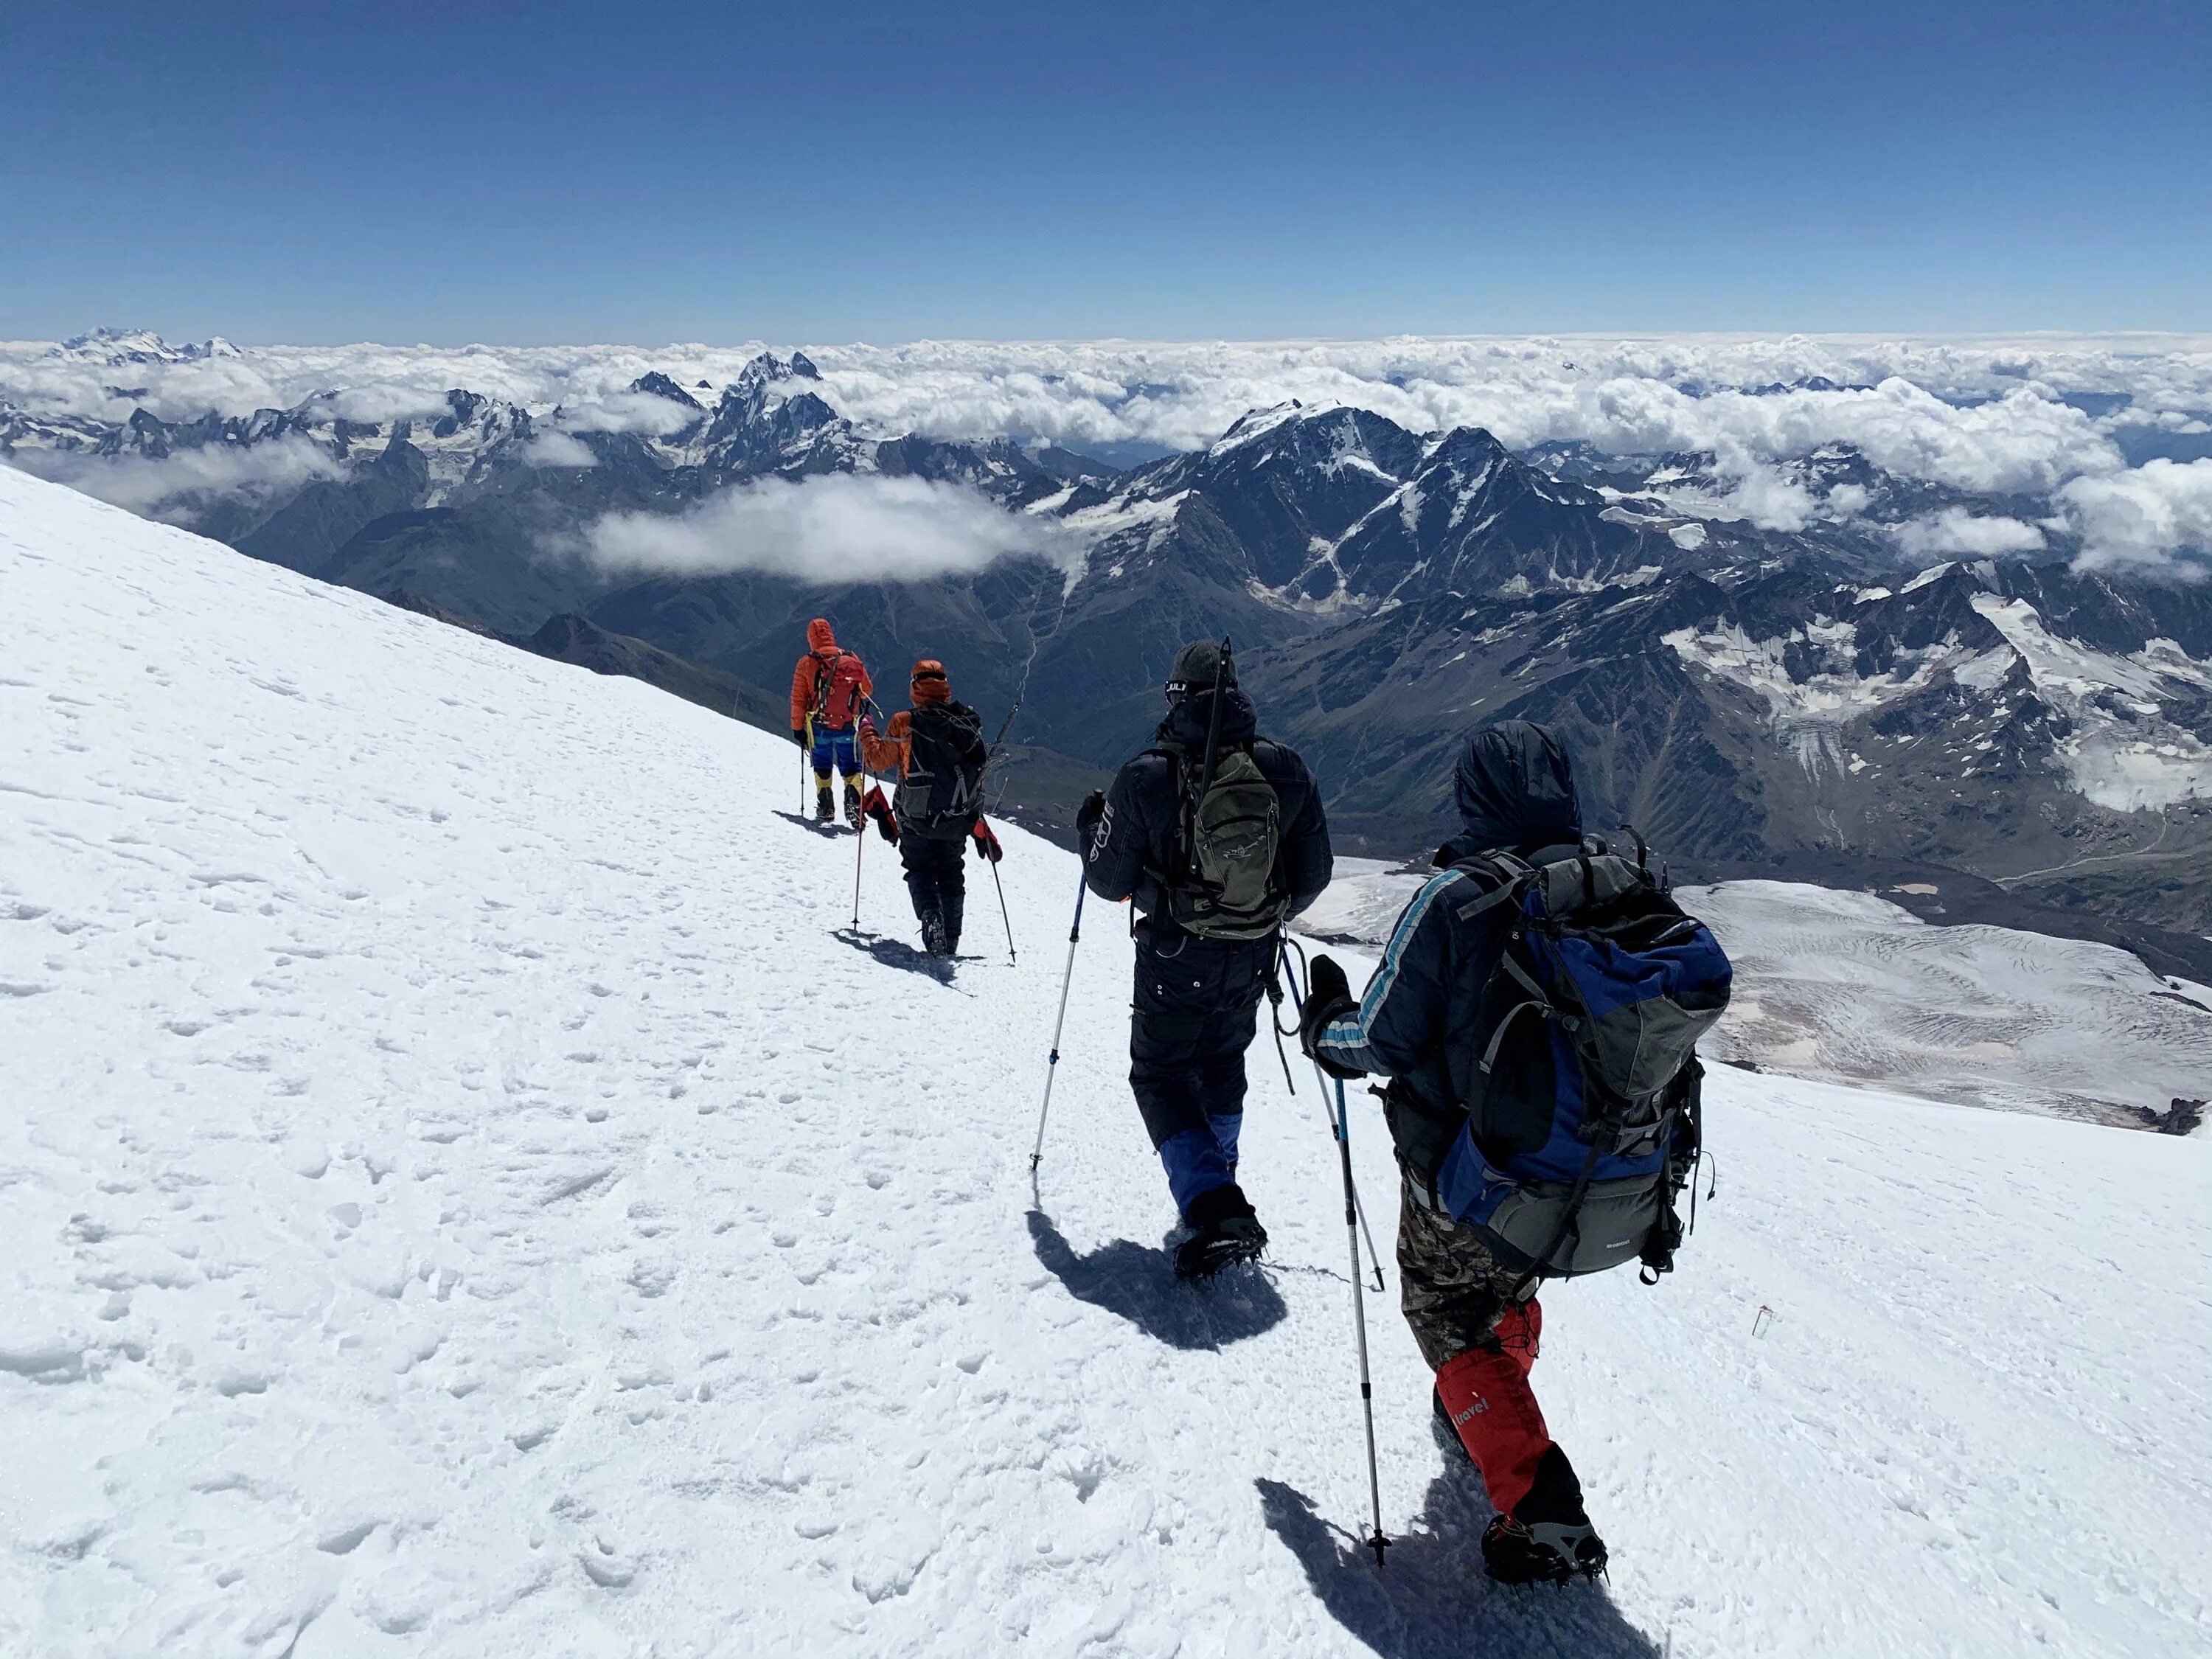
(835, 748)
(1193, 1014)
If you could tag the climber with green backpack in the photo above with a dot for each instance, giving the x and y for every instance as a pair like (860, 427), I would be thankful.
(1217, 835)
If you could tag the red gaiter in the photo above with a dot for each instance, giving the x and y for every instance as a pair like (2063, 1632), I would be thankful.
(1487, 1391)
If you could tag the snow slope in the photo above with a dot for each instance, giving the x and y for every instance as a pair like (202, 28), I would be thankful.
(465, 1198)
(1848, 987)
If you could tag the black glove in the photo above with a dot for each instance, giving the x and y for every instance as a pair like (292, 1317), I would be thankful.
(986, 843)
(1328, 996)
(798, 736)
(1087, 816)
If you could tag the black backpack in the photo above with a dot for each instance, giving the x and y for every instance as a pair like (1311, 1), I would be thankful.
(942, 790)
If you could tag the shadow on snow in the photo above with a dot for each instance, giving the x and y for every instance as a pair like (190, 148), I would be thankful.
(1125, 1277)
(895, 953)
(1432, 1600)
(831, 831)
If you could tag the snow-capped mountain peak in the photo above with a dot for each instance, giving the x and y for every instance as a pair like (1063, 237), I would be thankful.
(117, 346)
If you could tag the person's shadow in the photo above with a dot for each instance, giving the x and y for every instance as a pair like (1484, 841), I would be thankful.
(893, 953)
(1140, 1284)
(830, 832)
(1431, 1599)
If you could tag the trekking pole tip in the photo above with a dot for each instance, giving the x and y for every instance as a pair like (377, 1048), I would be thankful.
(1378, 1543)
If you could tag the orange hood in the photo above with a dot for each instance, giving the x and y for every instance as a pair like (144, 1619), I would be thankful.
(819, 639)
(929, 683)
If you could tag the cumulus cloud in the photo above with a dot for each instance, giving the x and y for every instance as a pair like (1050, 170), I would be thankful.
(1955, 531)
(144, 485)
(558, 448)
(2156, 517)
(837, 527)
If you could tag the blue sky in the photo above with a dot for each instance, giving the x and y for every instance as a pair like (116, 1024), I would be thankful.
(512, 172)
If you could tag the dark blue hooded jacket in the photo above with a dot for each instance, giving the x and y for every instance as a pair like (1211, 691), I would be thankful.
(1417, 1022)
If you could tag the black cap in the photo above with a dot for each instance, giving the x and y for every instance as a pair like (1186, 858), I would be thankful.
(1195, 665)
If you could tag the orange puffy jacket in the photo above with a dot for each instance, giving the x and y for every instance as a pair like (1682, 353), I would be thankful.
(828, 682)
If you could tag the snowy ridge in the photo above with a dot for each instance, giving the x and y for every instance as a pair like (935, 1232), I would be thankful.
(468, 1200)
(2122, 752)
(1810, 711)
(2119, 743)
(112, 346)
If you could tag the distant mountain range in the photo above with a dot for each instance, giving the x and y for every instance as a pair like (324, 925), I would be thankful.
(1807, 702)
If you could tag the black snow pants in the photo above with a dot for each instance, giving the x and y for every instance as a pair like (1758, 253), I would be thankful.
(937, 880)
(1192, 1016)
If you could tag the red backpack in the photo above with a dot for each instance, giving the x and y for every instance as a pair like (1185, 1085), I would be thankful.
(837, 691)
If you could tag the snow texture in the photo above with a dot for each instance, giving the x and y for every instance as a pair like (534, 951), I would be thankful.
(467, 1196)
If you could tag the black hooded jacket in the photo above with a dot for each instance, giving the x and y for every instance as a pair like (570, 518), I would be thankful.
(1139, 838)
(1418, 1020)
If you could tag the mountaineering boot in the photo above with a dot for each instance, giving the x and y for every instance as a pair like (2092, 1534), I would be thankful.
(825, 804)
(1547, 1553)
(955, 905)
(1548, 1538)
(932, 933)
(852, 803)
(1223, 1231)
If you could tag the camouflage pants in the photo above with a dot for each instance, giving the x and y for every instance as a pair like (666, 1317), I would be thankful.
(1454, 1291)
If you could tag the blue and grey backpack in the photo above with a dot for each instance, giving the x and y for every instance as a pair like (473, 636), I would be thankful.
(1582, 1121)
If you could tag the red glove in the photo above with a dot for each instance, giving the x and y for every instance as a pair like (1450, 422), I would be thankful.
(867, 728)
(878, 808)
(986, 844)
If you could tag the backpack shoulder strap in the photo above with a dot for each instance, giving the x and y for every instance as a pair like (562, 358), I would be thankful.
(1506, 872)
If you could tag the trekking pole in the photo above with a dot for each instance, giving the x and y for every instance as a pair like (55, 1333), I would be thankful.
(1376, 1541)
(860, 852)
(805, 765)
(1336, 1129)
(1051, 1064)
(1006, 917)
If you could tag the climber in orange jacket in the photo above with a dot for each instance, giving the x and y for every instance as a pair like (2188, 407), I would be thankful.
(828, 687)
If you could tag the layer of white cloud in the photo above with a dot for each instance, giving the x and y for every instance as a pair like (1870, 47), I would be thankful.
(1985, 415)
(838, 527)
(1955, 531)
(152, 488)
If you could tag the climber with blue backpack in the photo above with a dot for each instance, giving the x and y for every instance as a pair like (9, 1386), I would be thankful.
(1537, 1011)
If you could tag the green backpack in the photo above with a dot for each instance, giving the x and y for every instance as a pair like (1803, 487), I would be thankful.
(1233, 834)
